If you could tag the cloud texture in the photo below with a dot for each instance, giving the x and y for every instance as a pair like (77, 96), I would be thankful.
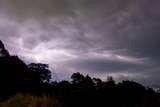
(96, 37)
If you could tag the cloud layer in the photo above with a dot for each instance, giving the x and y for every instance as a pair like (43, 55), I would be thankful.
(99, 38)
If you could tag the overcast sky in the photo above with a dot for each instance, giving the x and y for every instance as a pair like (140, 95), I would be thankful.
(120, 38)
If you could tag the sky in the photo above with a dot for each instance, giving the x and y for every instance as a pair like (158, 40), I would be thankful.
(118, 38)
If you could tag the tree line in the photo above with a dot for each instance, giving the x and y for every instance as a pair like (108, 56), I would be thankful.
(81, 91)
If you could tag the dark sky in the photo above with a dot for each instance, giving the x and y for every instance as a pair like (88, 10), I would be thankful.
(120, 38)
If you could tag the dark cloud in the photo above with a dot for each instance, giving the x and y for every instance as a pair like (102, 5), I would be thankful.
(108, 37)
(22, 9)
(108, 64)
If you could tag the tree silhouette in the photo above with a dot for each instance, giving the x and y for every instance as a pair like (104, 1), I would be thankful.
(3, 51)
(98, 83)
(131, 93)
(12, 74)
(77, 78)
(16, 76)
(39, 72)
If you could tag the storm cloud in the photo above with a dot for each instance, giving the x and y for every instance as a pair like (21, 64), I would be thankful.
(96, 37)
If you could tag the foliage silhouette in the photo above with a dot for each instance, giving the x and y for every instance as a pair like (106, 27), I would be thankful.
(3, 51)
(39, 72)
(16, 76)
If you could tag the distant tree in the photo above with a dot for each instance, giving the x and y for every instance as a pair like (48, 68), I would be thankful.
(3, 51)
(88, 82)
(77, 78)
(110, 83)
(63, 85)
(39, 72)
(98, 83)
(110, 79)
(131, 92)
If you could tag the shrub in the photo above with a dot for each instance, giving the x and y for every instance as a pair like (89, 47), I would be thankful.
(27, 100)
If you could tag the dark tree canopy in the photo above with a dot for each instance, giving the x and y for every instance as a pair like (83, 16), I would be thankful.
(16, 76)
(39, 72)
(12, 69)
(77, 78)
